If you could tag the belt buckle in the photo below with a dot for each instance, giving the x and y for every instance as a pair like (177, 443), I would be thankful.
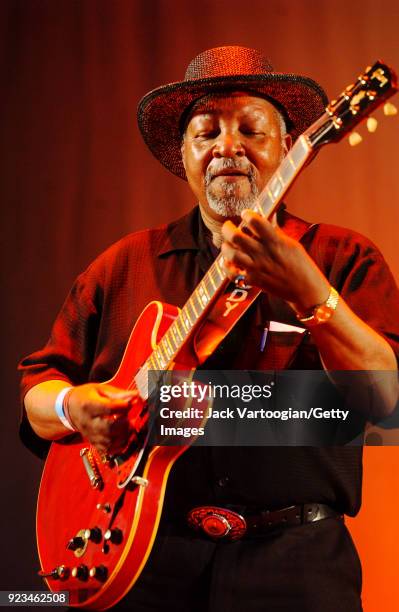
(217, 523)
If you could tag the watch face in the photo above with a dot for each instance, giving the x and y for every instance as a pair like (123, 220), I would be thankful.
(323, 313)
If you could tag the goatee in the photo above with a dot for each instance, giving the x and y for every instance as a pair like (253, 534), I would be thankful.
(228, 203)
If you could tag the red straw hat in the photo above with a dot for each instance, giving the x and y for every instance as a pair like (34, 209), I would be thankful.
(161, 112)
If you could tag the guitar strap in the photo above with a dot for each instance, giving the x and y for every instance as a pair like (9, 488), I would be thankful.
(231, 304)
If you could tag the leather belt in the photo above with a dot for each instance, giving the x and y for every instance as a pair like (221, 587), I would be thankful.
(223, 523)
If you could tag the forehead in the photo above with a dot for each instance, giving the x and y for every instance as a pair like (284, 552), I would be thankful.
(241, 103)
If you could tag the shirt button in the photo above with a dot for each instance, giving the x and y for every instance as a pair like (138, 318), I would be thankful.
(223, 481)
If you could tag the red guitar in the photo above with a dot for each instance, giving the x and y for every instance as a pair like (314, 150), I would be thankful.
(96, 518)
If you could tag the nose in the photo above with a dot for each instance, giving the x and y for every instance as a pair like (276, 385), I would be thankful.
(228, 144)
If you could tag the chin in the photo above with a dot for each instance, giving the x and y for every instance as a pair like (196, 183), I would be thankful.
(230, 207)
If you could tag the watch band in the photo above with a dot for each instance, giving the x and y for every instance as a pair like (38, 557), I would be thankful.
(321, 312)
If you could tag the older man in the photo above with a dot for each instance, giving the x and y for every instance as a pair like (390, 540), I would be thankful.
(226, 129)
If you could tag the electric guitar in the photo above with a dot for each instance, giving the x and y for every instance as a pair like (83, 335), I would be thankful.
(97, 518)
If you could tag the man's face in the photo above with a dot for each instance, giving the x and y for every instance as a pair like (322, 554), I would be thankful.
(231, 147)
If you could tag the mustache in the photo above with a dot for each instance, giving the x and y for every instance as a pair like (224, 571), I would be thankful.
(229, 164)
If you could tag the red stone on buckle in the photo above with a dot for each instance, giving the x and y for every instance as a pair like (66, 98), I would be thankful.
(216, 526)
(217, 522)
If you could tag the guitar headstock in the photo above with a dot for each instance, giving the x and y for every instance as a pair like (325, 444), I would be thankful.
(355, 103)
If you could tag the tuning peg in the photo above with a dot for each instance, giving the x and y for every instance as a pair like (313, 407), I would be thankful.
(355, 139)
(372, 124)
(390, 109)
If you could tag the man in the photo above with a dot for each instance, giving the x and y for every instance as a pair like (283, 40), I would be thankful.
(225, 129)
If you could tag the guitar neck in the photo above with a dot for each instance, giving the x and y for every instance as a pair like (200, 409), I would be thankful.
(283, 177)
(215, 279)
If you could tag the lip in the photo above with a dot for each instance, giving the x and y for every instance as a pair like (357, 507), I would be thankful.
(231, 174)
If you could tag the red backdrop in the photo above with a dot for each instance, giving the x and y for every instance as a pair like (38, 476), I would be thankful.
(76, 177)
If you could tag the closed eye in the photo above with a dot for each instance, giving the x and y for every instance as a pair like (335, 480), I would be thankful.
(207, 134)
(248, 132)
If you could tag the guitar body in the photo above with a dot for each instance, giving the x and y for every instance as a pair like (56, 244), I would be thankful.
(68, 504)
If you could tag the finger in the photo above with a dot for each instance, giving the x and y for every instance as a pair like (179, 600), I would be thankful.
(258, 225)
(116, 393)
(233, 235)
(239, 241)
(104, 408)
(114, 432)
(235, 258)
(109, 427)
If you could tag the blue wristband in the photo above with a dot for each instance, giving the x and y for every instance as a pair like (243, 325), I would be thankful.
(59, 408)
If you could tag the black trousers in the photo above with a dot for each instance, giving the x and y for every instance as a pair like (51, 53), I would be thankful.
(305, 568)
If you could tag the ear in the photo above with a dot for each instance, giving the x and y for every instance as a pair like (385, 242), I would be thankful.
(287, 143)
(182, 150)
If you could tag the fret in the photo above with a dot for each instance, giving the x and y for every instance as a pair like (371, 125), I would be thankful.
(151, 363)
(300, 151)
(165, 348)
(172, 330)
(160, 361)
(163, 356)
(191, 301)
(269, 194)
(184, 315)
(275, 185)
(218, 269)
(209, 275)
(266, 204)
(291, 161)
(203, 293)
(172, 340)
(286, 171)
(201, 303)
(258, 208)
(176, 325)
(167, 345)
(156, 360)
(188, 307)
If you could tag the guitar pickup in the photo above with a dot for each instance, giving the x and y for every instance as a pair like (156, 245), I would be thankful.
(91, 468)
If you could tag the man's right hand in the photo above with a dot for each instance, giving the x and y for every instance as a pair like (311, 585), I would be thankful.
(98, 411)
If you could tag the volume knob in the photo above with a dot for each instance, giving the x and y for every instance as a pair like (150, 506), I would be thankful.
(100, 573)
(93, 534)
(75, 543)
(81, 572)
(113, 535)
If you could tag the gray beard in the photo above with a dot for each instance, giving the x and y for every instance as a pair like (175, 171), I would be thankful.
(228, 204)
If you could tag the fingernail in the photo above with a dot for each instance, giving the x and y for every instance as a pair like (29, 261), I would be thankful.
(244, 212)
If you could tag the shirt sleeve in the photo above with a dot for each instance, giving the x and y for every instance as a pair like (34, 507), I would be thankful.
(359, 272)
(68, 354)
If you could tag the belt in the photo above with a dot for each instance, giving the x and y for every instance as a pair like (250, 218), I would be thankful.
(223, 523)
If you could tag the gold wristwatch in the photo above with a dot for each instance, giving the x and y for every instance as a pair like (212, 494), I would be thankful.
(321, 312)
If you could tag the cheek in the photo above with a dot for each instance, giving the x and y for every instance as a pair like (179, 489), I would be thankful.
(271, 155)
(195, 162)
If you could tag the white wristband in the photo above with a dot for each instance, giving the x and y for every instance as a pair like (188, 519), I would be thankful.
(59, 408)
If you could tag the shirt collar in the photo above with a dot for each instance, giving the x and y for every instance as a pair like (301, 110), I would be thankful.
(189, 233)
(184, 234)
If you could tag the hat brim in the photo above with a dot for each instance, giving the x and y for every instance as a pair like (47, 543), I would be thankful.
(301, 100)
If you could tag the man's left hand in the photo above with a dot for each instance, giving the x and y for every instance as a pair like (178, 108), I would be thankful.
(274, 262)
